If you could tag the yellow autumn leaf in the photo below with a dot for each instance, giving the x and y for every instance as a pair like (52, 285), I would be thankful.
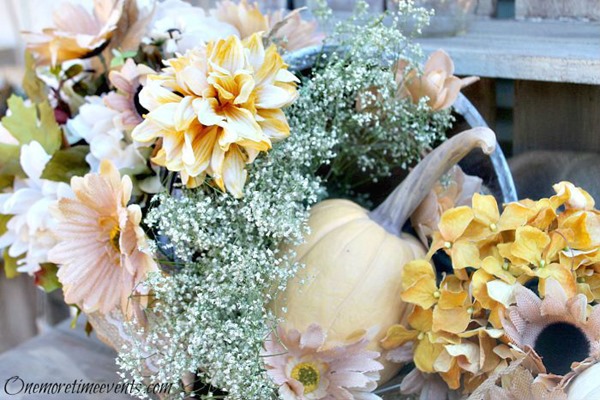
(529, 244)
(414, 271)
(423, 293)
(397, 335)
(453, 222)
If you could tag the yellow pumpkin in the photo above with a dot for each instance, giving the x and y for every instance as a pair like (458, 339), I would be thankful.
(354, 258)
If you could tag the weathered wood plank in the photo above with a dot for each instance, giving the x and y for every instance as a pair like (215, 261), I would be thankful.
(557, 9)
(486, 8)
(482, 94)
(556, 116)
(545, 51)
(17, 310)
(61, 355)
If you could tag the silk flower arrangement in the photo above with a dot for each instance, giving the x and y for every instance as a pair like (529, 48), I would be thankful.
(177, 179)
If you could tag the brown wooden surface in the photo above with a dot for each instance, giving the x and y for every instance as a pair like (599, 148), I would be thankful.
(556, 116)
(486, 8)
(556, 9)
(550, 51)
(482, 94)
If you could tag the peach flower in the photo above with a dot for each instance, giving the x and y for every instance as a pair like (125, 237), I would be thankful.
(305, 368)
(289, 31)
(128, 82)
(77, 33)
(100, 241)
(437, 83)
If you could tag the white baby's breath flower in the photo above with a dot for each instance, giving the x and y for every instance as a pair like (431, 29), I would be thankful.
(29, 232)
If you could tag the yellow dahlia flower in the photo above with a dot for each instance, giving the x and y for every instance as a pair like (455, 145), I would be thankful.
(215, 108)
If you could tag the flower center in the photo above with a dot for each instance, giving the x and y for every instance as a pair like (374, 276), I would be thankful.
(560, 344)
(115, 237)
(308, 375)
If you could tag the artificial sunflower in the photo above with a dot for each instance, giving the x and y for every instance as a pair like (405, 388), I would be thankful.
(546, 325)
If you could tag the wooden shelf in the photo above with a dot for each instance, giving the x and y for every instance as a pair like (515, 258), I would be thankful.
(550, 51)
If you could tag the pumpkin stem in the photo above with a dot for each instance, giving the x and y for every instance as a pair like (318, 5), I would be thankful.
(404, 200)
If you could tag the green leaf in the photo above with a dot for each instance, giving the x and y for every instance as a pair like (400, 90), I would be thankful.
(66, 164)
(4, 218)
(9, 160)
(34, 87)
(120, 57)
(74, 70)
(6, 181)
(55, 70)
(33, 123)
(46, 278)
(10, 265)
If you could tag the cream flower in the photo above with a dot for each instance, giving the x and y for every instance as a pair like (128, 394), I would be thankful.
(246, 18)
(216, 108)
(29, 232)
(305, 367)
(181, 27)
(128, 82)
(573, 197)
(291, 32)
(77, 33)
(102, 264)
(557, 328)
(100, 127)
(437, 83)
